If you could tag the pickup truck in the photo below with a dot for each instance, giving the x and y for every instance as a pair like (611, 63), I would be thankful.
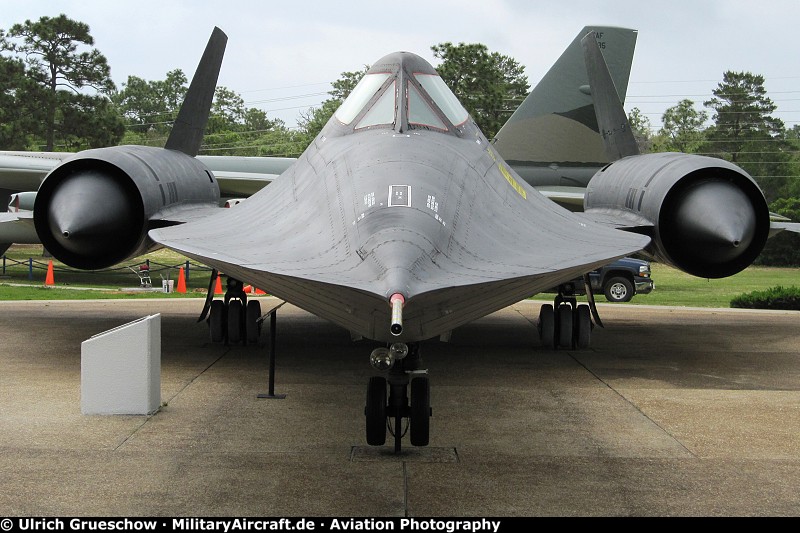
(618, 281)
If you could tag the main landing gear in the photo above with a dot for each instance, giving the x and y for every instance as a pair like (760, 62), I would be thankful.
(404, 365)
(565, 324)
(233, 319)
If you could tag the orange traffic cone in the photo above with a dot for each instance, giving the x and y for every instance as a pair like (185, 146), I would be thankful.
(181, 282)
(48, 280)
(259, 291)
(248, 289)
(218, 288)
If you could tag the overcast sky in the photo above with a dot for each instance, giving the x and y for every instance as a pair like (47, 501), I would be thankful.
(279, 51)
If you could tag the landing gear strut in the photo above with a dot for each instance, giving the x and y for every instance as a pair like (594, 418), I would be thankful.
(565, 324)
(233, 319)
(384, 414)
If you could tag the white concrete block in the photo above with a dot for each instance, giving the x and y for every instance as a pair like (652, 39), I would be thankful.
(121, 369)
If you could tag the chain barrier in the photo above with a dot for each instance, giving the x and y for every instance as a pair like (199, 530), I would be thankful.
(123, 269)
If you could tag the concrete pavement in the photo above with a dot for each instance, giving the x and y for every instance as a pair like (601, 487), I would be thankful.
(672, 412)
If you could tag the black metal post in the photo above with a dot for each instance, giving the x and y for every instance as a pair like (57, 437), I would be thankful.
(273, 319)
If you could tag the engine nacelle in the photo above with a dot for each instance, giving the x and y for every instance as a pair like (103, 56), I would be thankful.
(709, 218)
(95, 209)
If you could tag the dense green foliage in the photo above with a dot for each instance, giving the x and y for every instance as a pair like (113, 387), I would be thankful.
(683, 127)
(53, 63)
(787, 298)
(489, 85)
(18, 113)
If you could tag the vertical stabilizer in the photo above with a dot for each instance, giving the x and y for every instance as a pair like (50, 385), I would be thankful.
(187, 133)
(615, 130)
(556, 126)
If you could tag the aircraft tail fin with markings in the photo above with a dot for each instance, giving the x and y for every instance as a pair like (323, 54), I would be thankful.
(555, 127)
(615, 130)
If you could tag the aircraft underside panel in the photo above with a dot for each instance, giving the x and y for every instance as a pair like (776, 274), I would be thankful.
(425, 316)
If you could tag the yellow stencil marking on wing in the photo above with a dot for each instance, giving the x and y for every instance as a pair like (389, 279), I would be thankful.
(507, 175)
(510, 179)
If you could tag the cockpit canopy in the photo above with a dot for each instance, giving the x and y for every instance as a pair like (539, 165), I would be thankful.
(402, 91)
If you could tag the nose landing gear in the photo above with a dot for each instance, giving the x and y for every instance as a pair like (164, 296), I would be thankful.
(386, 415)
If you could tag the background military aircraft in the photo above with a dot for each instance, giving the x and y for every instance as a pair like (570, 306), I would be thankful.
(401, 221)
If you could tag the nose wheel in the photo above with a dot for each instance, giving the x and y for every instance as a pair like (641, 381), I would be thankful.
(375, 411)
(420, 411)
(386, 415)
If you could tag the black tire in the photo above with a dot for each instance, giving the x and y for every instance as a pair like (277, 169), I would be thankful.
(375, 411)
(583, 327)
(235, 315)
(251, 324)
(547, 325)
(564, 327)
(420, 411)
(618, 289)
(216, 321)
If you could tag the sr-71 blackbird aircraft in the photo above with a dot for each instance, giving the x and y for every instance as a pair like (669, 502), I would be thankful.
(401, 222)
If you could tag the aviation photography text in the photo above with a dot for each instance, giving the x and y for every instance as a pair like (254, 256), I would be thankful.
(226, 525)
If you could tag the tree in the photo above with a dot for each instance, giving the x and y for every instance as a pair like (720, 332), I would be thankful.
(346, 83)
(312, 120)
(490, 86)
(18, 112)
(234, 129)
(640, 125)
(745, 133)
(150, 107)
(741, 114)
(88, 122)
(50, 47)
(792, 187)
(683, 127)
(227, 111)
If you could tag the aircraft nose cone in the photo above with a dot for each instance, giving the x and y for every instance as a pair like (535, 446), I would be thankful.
(89, 214)
(716, 220)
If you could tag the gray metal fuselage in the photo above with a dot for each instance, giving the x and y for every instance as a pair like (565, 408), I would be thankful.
(436, 216)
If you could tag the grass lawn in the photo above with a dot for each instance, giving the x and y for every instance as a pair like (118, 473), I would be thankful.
(116, 282)
(673, 287)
